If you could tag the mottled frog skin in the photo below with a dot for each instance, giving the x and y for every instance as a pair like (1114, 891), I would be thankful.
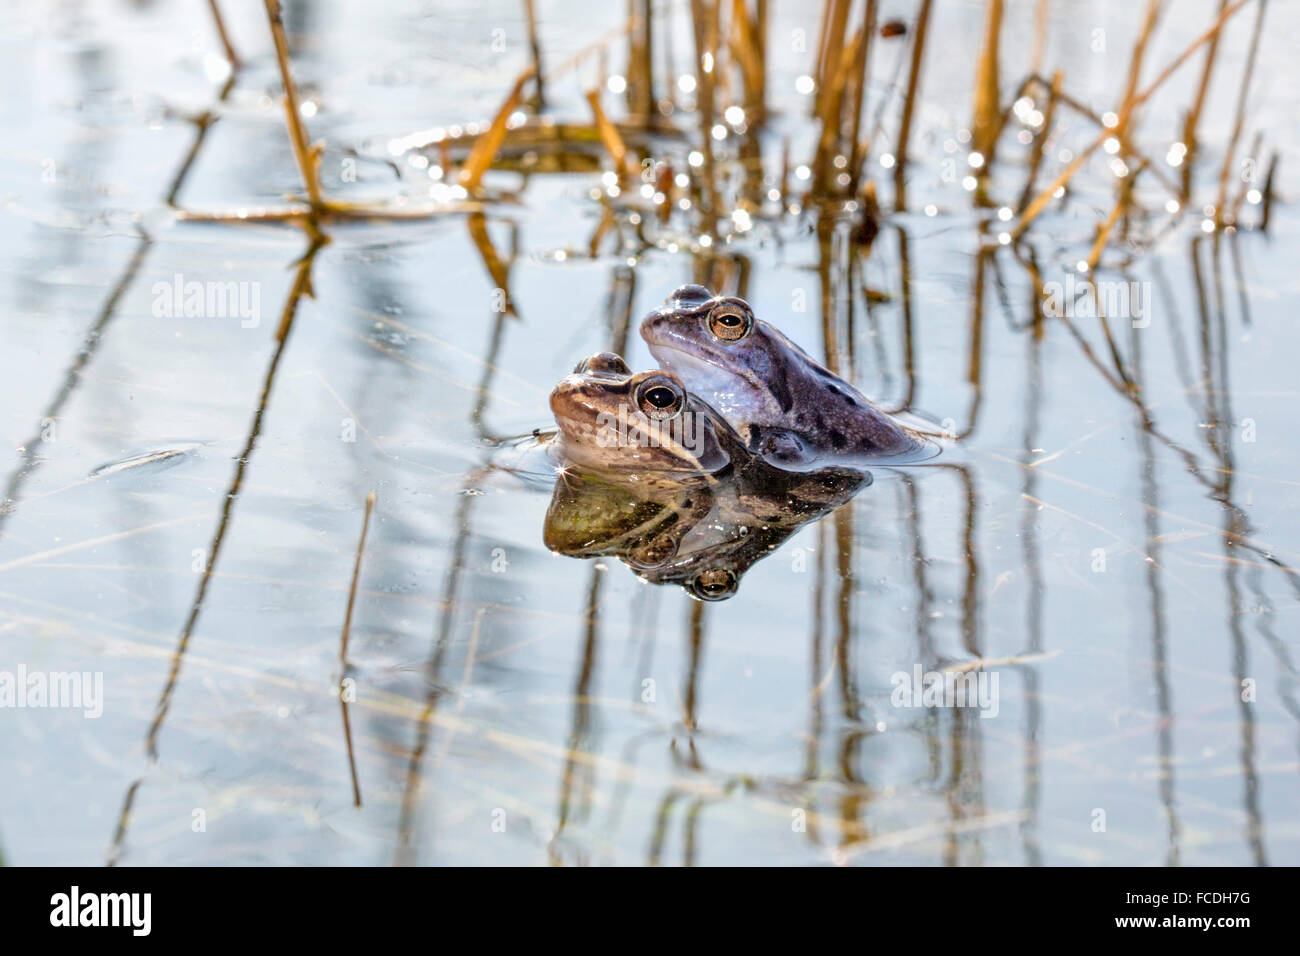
(646, 423)
(785, 405)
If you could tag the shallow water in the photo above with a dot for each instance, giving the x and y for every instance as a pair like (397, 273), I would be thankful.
(184, 496)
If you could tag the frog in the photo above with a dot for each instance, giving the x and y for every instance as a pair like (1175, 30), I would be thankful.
(644, 424)
(785, 405)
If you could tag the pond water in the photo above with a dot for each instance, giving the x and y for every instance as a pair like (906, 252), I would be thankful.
(1113, 532)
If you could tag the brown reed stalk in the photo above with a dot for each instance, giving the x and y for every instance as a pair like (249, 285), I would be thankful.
(640, 72)
(830, 143)
(1042, 18)
(1193, 118)
(624, 164)
(834, 24)
(1040, 142)
(1244, 188)
(705, 21)
(343, 646)
(986, 124)
(486, 146)
(1249, 73)
(1135, 71)
(1121, 205)
(785, 168)
(1267, 208)
(857, 151)
(535, 51)
(231, 56)
(909, 102)
(356, 576)
(303, 152)
(747, 50)
(1042, 199)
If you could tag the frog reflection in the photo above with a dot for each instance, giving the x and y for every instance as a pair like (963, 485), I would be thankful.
(701, 534)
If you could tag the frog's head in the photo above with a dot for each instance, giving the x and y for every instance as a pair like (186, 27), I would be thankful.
(722, 351)
(613, 419)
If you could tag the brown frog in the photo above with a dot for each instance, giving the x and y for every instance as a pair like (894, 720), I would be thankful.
(644, 424)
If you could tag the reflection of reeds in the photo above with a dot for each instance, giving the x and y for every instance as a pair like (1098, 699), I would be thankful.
(1225, 171)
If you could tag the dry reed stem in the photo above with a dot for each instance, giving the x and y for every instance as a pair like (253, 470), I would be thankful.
(486, 146)
(747, 51)
(640, 71)
(1268, 194)
(356, 577)
(613, 142)
(220, 23)
(1244, 188)
(302, 149)
(535, 51)
(1053, 97)
(1194, 115)
(856, 150)
(343, 647)
(985, 125)
(1042, 199)
(1042, 18)
(909, 102)
(1103, 234)
(830, 50)
(1229, 153)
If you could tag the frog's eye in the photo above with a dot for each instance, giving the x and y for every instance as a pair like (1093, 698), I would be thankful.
(716, 584)
(730, 322)
(660, 397)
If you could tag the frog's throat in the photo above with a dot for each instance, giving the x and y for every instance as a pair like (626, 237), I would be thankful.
(683, 362)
